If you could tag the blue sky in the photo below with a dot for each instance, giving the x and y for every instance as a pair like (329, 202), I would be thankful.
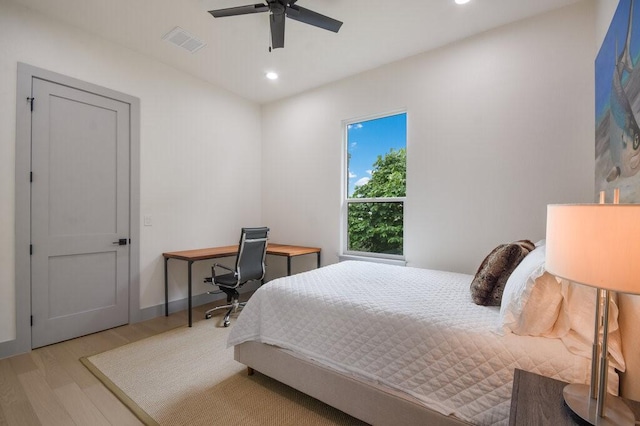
(368, 139)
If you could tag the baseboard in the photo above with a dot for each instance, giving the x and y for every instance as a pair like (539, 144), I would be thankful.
(198, 300)
(11, 348)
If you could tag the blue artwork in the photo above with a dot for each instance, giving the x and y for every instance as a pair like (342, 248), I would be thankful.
(618, 106)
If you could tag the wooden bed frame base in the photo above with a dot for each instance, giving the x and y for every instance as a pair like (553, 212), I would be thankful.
(358, 399)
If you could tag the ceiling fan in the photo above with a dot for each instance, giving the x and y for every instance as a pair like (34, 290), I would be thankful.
(278, 10)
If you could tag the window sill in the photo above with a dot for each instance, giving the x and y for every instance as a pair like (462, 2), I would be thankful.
(397, 262)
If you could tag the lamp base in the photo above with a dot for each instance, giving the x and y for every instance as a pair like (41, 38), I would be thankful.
(616, 412)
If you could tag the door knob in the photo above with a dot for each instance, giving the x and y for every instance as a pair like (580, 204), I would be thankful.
(121, 242)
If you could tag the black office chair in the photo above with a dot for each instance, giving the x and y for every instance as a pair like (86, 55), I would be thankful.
(249, 267)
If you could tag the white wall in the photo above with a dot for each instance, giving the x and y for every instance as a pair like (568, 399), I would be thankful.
(499, 126)
(192, 136)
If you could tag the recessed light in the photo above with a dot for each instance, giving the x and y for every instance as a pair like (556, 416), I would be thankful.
(462, 1)
(272, 75)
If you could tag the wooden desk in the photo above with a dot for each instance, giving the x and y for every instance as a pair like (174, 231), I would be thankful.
(537, 400)
(191, 256)
(291, 251)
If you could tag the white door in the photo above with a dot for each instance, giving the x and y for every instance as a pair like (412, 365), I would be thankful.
(79, 213)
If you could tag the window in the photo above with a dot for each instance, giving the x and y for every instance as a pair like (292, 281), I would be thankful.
(375, 186)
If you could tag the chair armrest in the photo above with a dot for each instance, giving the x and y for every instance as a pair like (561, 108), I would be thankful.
(212, 278)
(217, 265)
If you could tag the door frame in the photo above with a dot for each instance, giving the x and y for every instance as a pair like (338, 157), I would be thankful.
(26, 73)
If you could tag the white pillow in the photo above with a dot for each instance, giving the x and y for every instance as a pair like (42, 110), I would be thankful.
(542, 308)
(532, 297)
(575, 325)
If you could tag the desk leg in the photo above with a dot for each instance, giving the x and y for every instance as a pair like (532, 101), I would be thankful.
(189, 296)
(288, 265)
(318, 259)
(166, 287)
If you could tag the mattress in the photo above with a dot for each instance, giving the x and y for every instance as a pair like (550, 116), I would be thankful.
(413, 331)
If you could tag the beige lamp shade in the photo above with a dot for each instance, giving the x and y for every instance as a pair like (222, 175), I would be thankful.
(595, 244)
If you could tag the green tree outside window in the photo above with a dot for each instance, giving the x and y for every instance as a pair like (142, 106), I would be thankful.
(377, 227)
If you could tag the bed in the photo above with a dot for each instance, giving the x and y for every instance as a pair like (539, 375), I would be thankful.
(395, 345)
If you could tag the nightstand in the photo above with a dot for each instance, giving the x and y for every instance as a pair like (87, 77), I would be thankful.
(537, 400)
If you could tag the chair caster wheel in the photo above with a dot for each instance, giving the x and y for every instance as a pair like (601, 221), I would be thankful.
(207, 316)
(226, 323)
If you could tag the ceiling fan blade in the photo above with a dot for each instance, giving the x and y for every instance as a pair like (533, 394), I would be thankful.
(310, 17)
(240, 10)
(277, 30)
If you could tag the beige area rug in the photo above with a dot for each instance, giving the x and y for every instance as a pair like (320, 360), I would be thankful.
(187, 376)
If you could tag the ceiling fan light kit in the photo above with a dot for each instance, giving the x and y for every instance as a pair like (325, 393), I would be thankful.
(278, 11)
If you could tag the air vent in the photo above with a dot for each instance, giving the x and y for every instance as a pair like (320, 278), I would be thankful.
(183, 39)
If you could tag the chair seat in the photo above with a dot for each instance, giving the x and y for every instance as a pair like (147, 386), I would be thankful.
(229, 280)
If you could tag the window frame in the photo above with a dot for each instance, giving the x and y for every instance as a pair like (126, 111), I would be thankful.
(345, 200)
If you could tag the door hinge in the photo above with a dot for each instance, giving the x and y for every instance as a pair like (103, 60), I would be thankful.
(31, 320)
(30, 100)
(30, 176)
(30, 249)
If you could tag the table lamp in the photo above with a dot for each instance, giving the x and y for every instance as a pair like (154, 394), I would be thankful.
(597, 245)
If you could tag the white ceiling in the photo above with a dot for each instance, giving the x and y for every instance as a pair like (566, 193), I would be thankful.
(236, 57)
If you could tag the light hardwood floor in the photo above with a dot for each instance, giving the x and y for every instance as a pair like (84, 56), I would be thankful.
(49, 385)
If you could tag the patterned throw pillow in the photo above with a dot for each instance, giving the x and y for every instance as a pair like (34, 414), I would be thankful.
(489, 282)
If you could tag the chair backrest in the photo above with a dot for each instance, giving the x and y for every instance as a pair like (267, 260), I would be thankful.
(251, 254)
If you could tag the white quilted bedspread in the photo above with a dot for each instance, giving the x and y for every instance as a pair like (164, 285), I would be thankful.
(413, 330)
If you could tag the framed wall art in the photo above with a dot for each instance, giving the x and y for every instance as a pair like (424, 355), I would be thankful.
(617, 75)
